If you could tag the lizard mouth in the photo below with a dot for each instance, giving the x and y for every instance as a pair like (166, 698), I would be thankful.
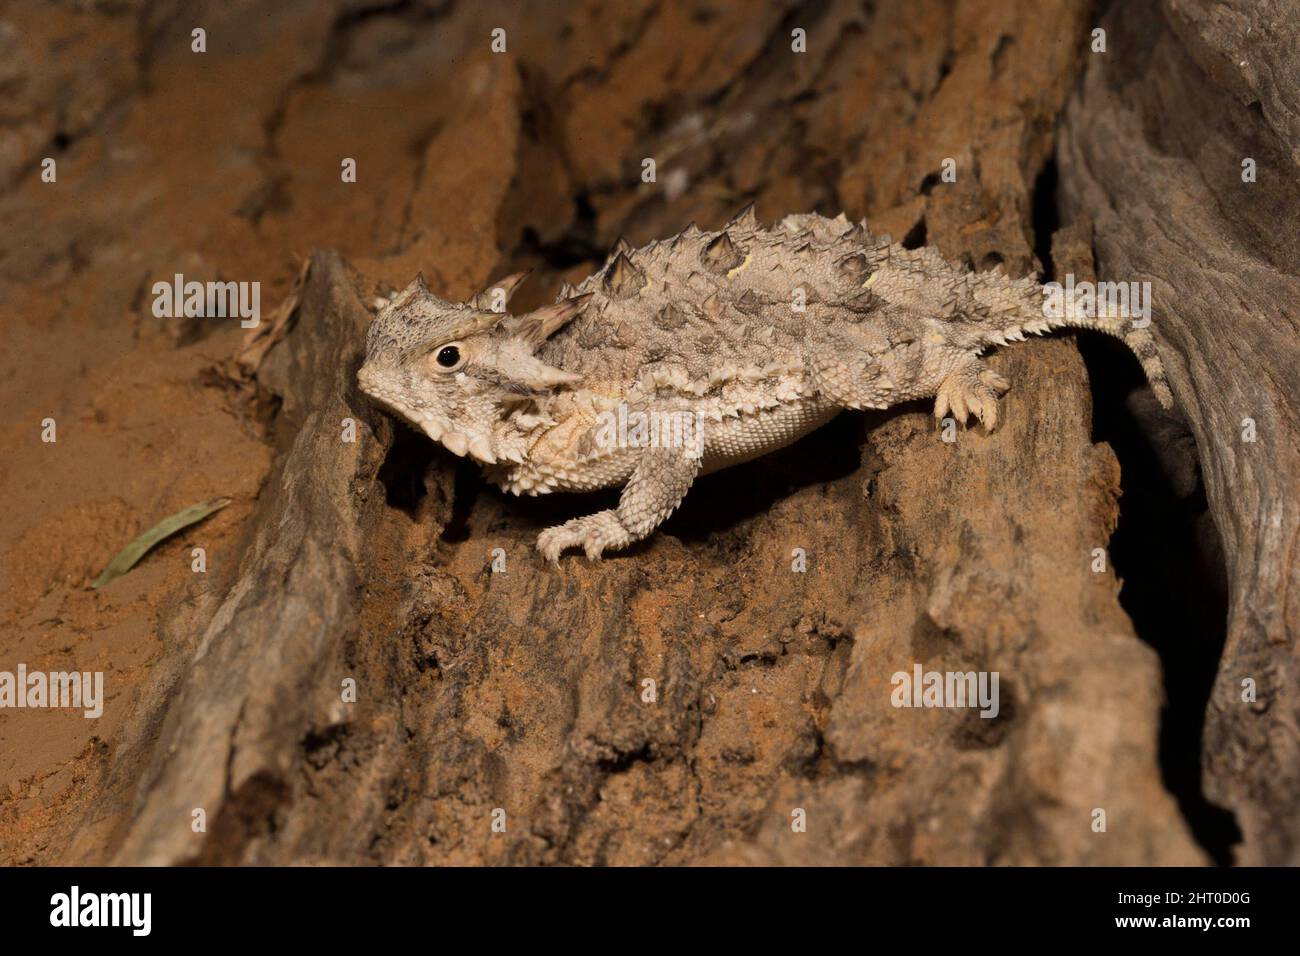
(387, 400)
(478, 447)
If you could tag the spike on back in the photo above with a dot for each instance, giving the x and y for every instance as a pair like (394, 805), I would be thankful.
(721, 255)
(622, 278)
(746, 219)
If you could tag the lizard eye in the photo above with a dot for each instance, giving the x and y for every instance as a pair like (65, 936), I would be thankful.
(448, 356)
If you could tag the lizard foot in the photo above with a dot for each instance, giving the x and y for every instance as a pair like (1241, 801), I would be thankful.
(658, 484)
(594, 534)
(973, 389)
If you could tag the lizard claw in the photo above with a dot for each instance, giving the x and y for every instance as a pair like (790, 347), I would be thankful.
(594, 534)
(994, 381)
(552, 542)
(971, 390)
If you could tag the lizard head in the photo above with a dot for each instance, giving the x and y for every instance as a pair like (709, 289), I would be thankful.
(457, 370)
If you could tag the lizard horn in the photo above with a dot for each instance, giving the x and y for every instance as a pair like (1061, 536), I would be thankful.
(499, 293)
(539, 325)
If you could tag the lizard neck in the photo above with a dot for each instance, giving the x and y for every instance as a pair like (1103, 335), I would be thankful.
(514, 435)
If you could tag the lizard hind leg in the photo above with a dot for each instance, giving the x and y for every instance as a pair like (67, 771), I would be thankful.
(970, 388)
(657, 486)
(853, 382)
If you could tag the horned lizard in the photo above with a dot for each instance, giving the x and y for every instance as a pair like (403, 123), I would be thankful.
(759, 334)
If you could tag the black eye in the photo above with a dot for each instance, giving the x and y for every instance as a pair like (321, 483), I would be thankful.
(448, 356)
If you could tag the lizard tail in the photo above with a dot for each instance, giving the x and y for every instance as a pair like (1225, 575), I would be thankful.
(1137, 337)
(1143, 344)
(1024, 307)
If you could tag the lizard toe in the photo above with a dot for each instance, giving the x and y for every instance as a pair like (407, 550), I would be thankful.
(971, 390)
(994, 381)
(553, 541)
(942, 402)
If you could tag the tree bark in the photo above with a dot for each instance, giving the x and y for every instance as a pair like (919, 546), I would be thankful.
(1158, 148)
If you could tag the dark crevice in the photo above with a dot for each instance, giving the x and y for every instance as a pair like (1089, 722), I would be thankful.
(402, 473)
(1167, 552)
(1046, 218)
(468, 483)
(623, 761)
(945, 66)
(322, 746)
(916, 236)
(250, 815)
(1005, 42)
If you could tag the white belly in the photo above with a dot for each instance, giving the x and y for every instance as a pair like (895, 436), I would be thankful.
(726, 443)
(736, 440)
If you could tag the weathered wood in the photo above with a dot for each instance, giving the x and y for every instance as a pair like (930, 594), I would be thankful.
(524, 691)
(243, 687)
(1153, 150)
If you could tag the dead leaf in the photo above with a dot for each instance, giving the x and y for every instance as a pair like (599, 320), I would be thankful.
(126, 559)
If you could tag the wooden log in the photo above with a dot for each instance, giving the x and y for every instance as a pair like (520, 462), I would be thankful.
(1182, 146)
(522, 695)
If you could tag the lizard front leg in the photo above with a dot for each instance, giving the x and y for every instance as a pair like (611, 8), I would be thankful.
(658, 484)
